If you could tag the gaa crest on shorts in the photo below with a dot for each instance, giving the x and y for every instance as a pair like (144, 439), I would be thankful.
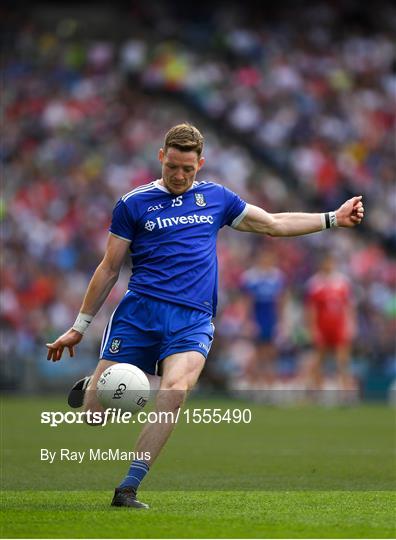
(200, 199)
(115, 346)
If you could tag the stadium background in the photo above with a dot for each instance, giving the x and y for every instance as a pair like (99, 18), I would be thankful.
(297, 108)
(296, 101)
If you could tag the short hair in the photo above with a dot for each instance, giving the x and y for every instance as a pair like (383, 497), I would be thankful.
(184, 137)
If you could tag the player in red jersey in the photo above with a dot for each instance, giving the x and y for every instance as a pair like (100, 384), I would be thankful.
(331, 320)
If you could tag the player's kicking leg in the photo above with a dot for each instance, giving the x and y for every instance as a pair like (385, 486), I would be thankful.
(77, 395)
(91, 402)
(180, 374)
(75, 399)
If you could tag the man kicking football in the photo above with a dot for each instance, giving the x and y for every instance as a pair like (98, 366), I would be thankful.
(163, 324)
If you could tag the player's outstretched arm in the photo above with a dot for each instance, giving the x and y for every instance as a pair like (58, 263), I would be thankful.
(102, 282)
(259, 221)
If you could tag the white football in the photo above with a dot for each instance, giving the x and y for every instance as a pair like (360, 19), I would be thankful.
(123, 386)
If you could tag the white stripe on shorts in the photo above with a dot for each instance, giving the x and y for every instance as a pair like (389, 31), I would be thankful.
(106, 333)
(107, 330)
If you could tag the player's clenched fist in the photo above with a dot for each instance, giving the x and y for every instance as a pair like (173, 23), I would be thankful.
(350, 213)
(69, 339)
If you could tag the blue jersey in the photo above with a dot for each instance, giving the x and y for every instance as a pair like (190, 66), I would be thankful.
(173, 240)
(265, 286)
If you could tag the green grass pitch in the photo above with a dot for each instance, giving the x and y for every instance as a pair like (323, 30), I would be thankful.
(295, 472)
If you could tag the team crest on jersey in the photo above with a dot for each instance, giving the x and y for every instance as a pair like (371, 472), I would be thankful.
(149, 225)
(115, 346)
(200, 199)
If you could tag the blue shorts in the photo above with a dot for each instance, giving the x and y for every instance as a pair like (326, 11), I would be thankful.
(266, 331)
(143, 331)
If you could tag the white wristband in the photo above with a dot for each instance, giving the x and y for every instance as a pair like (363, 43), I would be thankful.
(333, 219)
(82, 322)
(329, 220)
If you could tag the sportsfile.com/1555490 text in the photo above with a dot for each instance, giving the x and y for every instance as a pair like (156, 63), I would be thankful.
(116, 416)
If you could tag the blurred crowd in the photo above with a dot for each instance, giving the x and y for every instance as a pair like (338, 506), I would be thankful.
(298, 113)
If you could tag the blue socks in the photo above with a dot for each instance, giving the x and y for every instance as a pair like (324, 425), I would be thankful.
(136, 473)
